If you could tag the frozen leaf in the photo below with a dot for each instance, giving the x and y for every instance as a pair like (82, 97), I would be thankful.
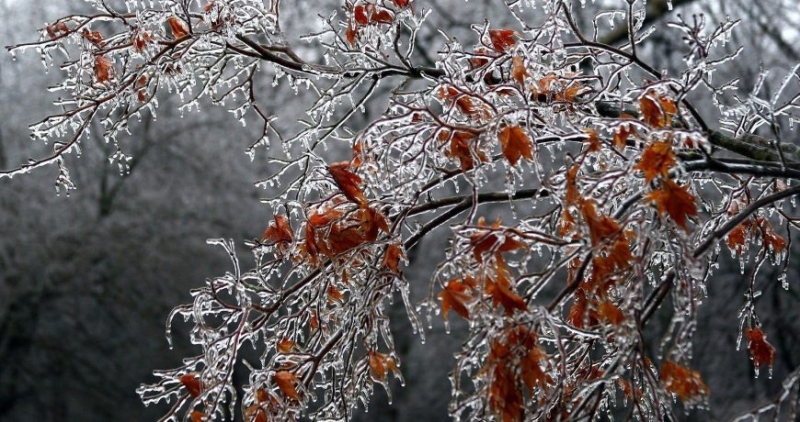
(455, 296)
(516, 144)
(285, 345)
(178, 28)
(675, 200)
(92, 36)
(391, 259)
(348, 182)
(518, 70)
(657, 110)
(286, 383)
(683, 382)
(103, 69)
(193, 384)
(761, 351)
(502, 39)
(656, 160)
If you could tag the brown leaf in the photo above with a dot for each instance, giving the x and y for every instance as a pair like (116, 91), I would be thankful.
(455, 296)
(515, 143)
(601, 227)
(609, 312)
(502, 293)
(391, 259)
(760, 350)
(738, 237)
(683, 382)
(772, 240)
(502, 39)
(334, 295)
(675, 200)
(360, 15)
(103, 68)
(381, 15)
(197, 416)
(462, 101)
(656, 160)
(279, 233)
(140, 40)
(285, 345)
(483, 241)
(94, 37)
(593, 140)
(518, 70)
(351, 33)
(371, 222)
(348, 182)
(621, 136)
(286, 381)
(178, 28)
(657, 110)
(193, 384)
(460, 148)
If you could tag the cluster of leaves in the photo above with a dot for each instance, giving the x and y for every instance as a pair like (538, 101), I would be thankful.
(620, 193)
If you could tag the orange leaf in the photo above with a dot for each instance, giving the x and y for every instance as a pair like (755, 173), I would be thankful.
(455, 296)
(279, 233)
(351, 33)
(197, 416)
(656, 160)
(334, 295)
(348, 182)
(760, 350)
(516, 144)
(103, 68)
(657, 110)
(286, 381)
(621, 136)
(392, 257)
(372, 221)
(518, 70)
(502, 293)
(593, 140)
(675, 200)
(737, 238)
(193, 384)
(92, 36)
(683, 382)
(179, 29)
(140, 40)
(601, 227)
(572, 196)
(377, 365)
(285, 345)
(460, 148)
(483, 241)
(609, 312)
(502, 39)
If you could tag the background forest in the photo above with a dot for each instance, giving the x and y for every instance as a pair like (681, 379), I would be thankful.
(87, 279)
